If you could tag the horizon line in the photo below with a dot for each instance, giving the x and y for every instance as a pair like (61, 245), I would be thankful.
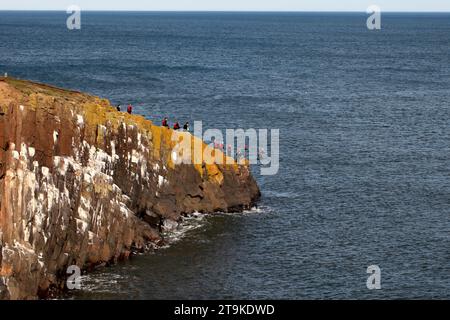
(218, 11)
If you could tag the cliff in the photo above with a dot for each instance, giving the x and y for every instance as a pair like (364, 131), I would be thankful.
(83, 184)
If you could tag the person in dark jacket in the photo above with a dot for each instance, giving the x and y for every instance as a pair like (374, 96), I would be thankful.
(165, 123)
(186, 126)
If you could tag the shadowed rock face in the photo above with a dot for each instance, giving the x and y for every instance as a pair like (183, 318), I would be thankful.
(82, 184)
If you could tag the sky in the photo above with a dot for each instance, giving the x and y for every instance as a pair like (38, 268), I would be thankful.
(229, 5)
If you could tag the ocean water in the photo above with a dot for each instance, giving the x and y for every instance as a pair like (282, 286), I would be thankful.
(365, 143)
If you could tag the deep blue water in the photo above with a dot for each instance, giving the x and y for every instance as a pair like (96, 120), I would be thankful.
(365, 140)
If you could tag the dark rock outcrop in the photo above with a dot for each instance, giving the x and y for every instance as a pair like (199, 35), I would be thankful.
(82, 184)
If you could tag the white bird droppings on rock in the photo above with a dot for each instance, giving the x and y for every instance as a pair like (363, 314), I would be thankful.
(45, 171)
(31, 151)
(161, 181)
(80, 120)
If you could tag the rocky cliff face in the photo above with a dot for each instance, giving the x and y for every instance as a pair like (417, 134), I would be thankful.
(82, 184)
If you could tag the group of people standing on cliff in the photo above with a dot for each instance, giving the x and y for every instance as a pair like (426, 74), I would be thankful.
(239, 154)
(129, 108)
(165, 121)
(176, 125)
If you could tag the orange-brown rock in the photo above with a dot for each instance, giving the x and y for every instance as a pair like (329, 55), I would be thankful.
(83, 184)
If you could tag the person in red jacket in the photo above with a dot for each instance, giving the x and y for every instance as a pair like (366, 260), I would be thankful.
(176, 126)
(165, 123)
(130, 109)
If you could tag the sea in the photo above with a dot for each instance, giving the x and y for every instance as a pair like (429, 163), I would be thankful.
(364, 158)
